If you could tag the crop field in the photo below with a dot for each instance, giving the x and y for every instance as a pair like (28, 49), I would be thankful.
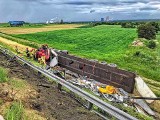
(35, 28)
(112, 44)
(89, 42)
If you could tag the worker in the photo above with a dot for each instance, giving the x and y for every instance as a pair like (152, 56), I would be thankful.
(27, 52)
(33, 53)
(42, 59)
(16, 49)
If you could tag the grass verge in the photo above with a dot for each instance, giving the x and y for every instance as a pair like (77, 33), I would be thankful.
(15, 112)
(3, 75)
(21, 41)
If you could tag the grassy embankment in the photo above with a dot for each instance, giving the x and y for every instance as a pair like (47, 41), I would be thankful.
(16, 88)
(105, 43)
(16, 109)
(3, 75)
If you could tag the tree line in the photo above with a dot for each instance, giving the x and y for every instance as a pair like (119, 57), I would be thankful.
(147, 30)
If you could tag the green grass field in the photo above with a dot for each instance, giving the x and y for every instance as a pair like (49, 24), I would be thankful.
(105, 43)
(90, 42)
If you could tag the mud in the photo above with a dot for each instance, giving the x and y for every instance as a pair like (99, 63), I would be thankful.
(52, 103)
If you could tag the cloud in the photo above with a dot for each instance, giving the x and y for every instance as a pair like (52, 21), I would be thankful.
(76, 10)
(148, 8)
(79, 3)
(92, 11)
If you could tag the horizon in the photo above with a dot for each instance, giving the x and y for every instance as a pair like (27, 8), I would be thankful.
(122, 20)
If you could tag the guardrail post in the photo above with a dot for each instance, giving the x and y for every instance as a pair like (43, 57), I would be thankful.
(59, 87)
(39, 73)
(89, 105)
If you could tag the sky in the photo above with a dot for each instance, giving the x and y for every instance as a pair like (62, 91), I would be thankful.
(78, 10)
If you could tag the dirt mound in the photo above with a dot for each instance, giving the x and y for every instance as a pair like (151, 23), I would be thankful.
(52, 103)
(137, 43)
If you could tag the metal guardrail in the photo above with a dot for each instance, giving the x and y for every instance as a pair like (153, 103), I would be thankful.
(119, 114)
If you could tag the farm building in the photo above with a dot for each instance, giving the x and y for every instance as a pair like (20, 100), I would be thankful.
(16, 23)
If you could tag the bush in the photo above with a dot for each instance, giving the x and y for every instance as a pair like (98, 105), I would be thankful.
(146, 31)
(151, 44)
(3, 75)
(137, 53)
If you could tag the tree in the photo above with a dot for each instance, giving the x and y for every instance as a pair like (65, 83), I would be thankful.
(128, 25)
(156, 25)
(151, 44)
(146, 31)
(123, 25)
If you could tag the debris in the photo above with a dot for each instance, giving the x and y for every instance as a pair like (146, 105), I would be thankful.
(140, 110)
(65, 51)
(112, 65)
(109, 97)
(54, 62)
(1, 117)
(72, 74)
(120, 91)
(144, 90)
(107, 90)
(93, 60)
(144, 106)
(103, 63)
(45, 85)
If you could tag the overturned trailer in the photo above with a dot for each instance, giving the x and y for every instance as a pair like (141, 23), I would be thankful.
(100, 72)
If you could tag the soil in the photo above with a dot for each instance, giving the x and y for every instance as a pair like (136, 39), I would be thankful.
(48, 100)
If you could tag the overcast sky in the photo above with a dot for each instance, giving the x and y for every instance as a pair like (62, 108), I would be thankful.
(78, 10)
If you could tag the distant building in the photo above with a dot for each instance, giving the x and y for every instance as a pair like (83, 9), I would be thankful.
(16, 23)
(47, 22)
(107, 18)
(102, 19)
